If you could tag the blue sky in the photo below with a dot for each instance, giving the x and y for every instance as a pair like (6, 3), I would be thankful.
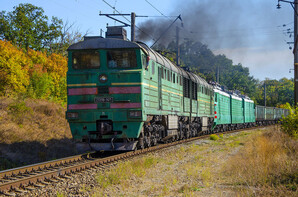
(249, 32)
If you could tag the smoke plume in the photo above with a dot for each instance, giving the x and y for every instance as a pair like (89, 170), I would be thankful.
(217, 23)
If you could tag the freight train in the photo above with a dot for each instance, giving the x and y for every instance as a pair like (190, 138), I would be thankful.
(124, 96)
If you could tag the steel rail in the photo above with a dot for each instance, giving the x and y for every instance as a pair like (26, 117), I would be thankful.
(44, 165)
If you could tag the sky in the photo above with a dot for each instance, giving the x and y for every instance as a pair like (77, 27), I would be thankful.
(249, 32)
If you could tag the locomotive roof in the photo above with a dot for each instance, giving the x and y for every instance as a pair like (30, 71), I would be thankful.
(167, 63)
(97, 42)
(102, 43)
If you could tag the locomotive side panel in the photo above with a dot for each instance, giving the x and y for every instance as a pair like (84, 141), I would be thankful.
(249, 111)
(237, 110)
(222, 108)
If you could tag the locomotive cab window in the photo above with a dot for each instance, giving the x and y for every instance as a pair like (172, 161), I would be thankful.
(85, 60)
(121, 59)
(144, 62)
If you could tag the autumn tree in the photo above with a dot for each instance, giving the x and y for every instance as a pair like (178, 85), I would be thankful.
(14, 77)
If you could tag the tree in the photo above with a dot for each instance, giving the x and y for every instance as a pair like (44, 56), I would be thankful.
(200, 59)
(277, 92)
(69, 35)
(28, 27)
(14, 77)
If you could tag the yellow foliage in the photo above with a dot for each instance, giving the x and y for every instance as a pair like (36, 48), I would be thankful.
(13, 68)
(19, 69)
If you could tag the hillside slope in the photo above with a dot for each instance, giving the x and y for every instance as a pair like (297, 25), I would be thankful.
(32, 131)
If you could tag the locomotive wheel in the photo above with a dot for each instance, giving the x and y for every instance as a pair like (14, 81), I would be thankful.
(141, 143)
(154, 140)
(147, 140)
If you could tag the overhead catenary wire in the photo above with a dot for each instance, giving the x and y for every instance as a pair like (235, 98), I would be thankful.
(155, 8)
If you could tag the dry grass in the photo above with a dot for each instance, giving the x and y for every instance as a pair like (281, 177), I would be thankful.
(243, 164)
(126, 171)
(31, 120)
(266, 166)
(184, 171)
(33, 131)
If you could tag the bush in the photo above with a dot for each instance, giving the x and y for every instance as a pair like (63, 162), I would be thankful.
(14, 75)
(39, 85)
(33, 73)
(214, 137)
(290, 123)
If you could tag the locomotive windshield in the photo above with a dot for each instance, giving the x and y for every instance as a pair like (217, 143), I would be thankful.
(85, 60)
(122, 59)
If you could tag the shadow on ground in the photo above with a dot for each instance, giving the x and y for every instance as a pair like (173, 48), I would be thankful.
(25, 153)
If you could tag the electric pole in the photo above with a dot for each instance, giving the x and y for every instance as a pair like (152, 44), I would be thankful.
(295, 51)
(178, 48)
(217, 74)
(265, 93)
(294, 5)
(133, 24)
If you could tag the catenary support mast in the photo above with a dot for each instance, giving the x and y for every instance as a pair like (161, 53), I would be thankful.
(295, 51)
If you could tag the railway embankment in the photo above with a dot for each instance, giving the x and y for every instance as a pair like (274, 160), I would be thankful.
(32, 131)
(256, 162)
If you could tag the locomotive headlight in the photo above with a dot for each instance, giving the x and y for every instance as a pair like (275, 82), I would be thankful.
(72, 115)
(135, 114)
(103, 78)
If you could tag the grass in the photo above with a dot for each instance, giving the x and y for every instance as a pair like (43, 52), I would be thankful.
(246, 164)
(268, 162)
(6, 164)
(126, 170)
(31, 127)
(31, 120)
(214, 137)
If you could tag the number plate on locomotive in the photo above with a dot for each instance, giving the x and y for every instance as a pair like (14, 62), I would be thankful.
(103, 99)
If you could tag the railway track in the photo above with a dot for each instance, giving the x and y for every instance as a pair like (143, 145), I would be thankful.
(18, 180)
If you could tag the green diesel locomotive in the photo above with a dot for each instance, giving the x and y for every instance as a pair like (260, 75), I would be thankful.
(122, 95)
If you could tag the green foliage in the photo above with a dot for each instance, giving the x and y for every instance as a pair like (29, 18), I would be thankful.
(28, 27)
(32, 73)
(277, 92)
(214, 137)
(290, 123)
(39, 85)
